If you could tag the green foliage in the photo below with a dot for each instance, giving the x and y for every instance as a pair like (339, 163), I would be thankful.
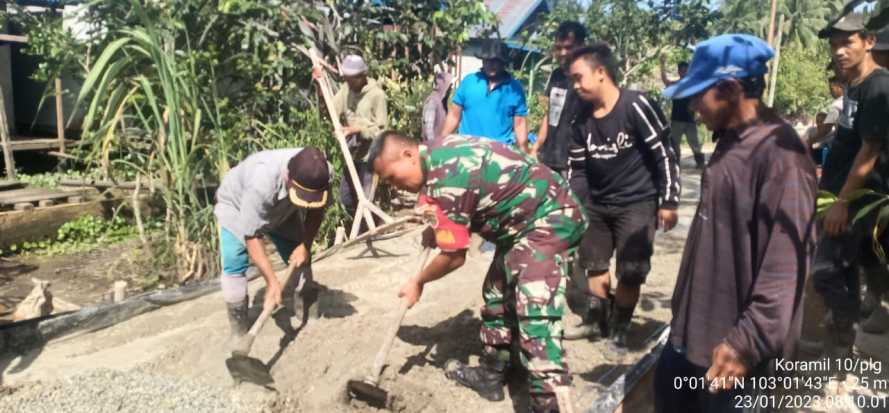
(405, 104)
(745, 16)
(802, 87)
(91, 230)
(803, 18)
(142, 74)
(406, 39)
(177, 91)
(536, 111)
(51, 180)
(877, 205)
(56, 49)
(83, 234)
(638, 32)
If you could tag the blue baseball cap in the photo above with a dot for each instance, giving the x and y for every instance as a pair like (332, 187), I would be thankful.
(729, 56)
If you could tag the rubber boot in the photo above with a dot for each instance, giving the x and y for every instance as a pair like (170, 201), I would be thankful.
(487, 379)
(621, 318)
(877, 322)
(700, 161)
(558, 402)
(598, 314)
(237, 318)
(541, 403)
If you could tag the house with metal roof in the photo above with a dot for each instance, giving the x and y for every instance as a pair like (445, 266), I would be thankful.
(514, 17)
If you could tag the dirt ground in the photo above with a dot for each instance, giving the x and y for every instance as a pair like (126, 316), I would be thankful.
(79, 278)
(311, 364)
(187, 342)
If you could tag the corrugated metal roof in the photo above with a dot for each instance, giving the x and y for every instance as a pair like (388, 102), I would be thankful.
(512, 14)
(48, 3)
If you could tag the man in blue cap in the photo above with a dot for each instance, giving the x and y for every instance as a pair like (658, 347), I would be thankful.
(737, 303)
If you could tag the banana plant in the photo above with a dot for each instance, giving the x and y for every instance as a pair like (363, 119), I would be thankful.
(878, 204)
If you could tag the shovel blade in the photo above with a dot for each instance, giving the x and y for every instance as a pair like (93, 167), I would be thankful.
(250, 370)
(368, 393)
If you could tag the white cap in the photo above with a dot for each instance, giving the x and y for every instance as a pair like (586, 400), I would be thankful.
(353, 65)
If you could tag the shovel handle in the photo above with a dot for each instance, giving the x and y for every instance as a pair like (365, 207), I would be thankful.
(380, 359)
(246, 342)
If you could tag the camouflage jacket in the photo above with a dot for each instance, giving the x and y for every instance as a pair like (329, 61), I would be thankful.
(483, 186)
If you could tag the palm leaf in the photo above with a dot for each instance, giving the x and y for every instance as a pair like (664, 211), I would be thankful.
(864, 211)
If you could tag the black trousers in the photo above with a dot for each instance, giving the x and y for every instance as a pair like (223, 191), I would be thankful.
(838, 264)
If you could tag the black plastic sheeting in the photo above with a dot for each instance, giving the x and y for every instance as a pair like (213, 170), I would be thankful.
(612, 396)
(24, 335)
(19, 337)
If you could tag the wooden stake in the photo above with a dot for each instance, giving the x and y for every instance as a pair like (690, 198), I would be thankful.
(60, 116)
(366, 208)
(4, 139)
(120, 291)
(770, 37)
(776, 64)
(340, 236)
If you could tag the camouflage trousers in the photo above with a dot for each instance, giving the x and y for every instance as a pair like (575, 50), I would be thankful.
(524, 294)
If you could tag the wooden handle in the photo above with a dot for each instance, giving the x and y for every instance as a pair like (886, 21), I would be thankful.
(246, 342)
(380, 359)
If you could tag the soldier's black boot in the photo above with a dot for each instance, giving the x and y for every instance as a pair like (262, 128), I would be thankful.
(558, 402)
(621, 319)
(544, 404)
(487, 379)
(237, 318)
(599, 314)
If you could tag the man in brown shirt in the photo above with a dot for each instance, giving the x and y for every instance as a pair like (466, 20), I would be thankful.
(737, 301)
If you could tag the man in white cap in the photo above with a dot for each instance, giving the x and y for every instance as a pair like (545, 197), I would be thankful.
(361, 107)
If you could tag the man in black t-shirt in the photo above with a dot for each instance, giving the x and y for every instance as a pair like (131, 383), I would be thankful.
(560, 102)
(857, 159)
(625, 173)
(682, 121)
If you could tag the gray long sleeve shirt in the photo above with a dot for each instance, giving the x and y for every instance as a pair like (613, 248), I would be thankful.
(252, 198)
(749, 248)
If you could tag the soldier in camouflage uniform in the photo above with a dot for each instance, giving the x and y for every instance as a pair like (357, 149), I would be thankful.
(531, 215)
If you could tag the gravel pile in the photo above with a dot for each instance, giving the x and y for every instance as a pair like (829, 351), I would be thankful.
(114, 391)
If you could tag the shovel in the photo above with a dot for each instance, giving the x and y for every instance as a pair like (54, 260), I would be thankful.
(368, 390)
(240, 365)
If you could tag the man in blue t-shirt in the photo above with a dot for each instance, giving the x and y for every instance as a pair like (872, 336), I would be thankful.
(490, 103)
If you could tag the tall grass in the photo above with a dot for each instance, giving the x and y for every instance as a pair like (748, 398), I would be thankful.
(142, 78)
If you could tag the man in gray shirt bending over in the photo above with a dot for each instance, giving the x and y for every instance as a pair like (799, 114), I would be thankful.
(280, 194)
